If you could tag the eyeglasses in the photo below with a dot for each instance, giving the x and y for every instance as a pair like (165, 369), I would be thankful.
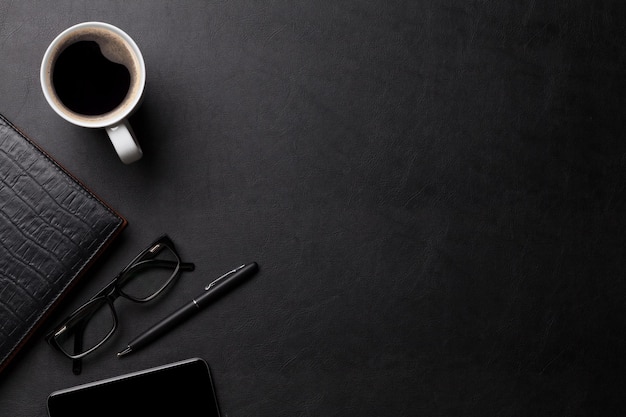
(146, 277)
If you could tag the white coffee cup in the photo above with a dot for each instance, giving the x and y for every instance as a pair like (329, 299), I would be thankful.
(83, 79)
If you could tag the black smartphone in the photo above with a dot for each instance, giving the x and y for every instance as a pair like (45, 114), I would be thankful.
(176, 389)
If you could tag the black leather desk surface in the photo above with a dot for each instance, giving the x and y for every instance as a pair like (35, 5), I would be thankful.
(434, 191)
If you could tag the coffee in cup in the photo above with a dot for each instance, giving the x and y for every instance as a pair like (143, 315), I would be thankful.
(93, 75)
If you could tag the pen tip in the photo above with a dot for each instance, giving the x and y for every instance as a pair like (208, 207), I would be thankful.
(124, 352)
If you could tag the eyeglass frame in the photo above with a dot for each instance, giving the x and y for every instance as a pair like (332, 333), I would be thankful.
(111, 292)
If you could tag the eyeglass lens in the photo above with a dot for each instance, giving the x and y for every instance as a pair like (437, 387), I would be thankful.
(93, 324)
(147, 277)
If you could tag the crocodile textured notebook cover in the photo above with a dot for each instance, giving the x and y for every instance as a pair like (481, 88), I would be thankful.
(52, 229)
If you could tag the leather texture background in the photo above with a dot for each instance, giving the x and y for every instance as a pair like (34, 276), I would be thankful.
(51, 230)
(433, 191)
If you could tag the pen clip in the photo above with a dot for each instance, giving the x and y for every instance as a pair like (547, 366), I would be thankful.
(208, 287)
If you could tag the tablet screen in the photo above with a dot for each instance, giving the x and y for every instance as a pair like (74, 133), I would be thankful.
(178, 389)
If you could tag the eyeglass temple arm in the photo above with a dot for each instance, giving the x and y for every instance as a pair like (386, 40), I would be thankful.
(187, 266)
(77, 364)
(161, 263)
(79, 331)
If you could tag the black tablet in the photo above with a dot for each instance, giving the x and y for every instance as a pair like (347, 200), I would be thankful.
(176, 389)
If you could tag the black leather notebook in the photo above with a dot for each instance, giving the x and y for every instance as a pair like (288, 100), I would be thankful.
(52, 228)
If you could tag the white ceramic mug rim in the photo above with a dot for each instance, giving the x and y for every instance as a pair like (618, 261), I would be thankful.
(115, 117)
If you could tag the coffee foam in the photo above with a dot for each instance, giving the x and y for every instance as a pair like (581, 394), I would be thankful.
(116, 49)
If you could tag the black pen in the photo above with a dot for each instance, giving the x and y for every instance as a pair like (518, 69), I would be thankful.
(212, 291)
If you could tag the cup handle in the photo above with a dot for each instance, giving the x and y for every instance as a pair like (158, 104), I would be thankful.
(124, 142)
